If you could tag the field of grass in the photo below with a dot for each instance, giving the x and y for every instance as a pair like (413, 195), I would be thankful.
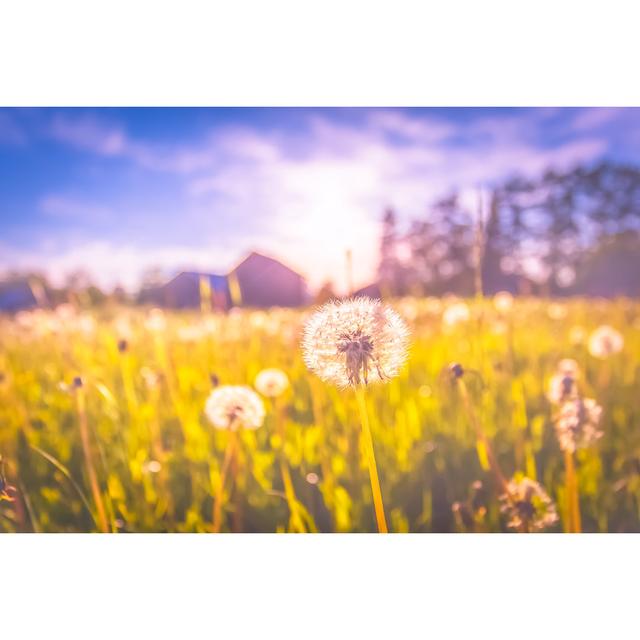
(102, 422)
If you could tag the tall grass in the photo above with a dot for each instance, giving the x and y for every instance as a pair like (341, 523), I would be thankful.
(132, 450)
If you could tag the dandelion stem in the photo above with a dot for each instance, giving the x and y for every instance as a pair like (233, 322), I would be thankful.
(229, 454)
(573, 499)
(480, 434)
(371, 460)
(91, 470)
(297, 524)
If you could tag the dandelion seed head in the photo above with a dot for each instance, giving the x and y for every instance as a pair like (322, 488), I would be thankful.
(355, 342)
(234, 407)
(503, 301)
(577, 423)
(312, 478)
(499, 327)
(605, 341)
(561, 388)
(527, 506)
(191, 333)
(456, 370)
(272, 382)
(152, 466)
(425, 391)
(569, 367)
(456, 313)
(156, 321)
(556, 311)
(150, 377)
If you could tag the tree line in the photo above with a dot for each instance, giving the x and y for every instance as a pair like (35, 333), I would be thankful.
(575, 232)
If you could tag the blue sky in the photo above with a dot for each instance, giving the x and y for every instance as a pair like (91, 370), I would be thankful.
(115, 191)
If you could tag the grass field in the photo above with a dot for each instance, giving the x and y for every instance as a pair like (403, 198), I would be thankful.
(102, 422)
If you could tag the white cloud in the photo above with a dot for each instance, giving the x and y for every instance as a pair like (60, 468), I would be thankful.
(111, 264)
(107, 139)
(309, 195)
(327, 198)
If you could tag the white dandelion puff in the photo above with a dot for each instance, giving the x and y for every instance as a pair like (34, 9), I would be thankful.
(569, 367)
(605, 341)
(503, 301)
(561, 388)
(527, 506)
(234, 407)
(156, 321)
(150, 377)
(563, 385)
(456, 313)
(577, 424)
(355, 342)
(557, 311)
(272, 382)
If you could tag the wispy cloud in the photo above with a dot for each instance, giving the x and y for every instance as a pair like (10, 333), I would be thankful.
(328, 197)
(594, 118)
(111, 264)
(62, 206)
(108, 139)
(310, 192)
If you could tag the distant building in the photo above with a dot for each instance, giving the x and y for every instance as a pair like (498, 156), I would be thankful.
(17, 295)
(187, 288)
(258, 281)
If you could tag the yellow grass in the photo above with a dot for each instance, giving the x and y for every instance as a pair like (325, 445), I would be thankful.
(129, 455)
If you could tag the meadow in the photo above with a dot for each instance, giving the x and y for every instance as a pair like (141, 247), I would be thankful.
(103, 424)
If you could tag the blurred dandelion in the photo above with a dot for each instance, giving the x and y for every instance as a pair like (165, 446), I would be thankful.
(577, 423)
(576, 428)
(156, 321)
(527, 506)
(569, 367)
(272, 382)
(152, 466)
(234, 407)
(563, 384)
(455, 314)
(557, 311)
(561, 387)
(604, 342)
(150, 377)
(503, 301)
(231, 408)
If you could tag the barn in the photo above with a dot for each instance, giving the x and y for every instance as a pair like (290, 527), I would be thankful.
(260, 281)
(16, 295)
(188, 289)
